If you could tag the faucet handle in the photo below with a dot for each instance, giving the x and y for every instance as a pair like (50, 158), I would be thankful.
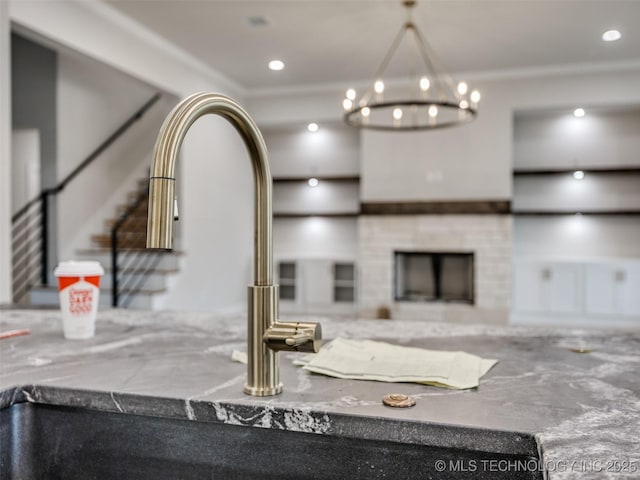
(298, 339)
(294, 337)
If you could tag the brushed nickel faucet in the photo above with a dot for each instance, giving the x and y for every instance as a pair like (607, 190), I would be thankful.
(266, 335)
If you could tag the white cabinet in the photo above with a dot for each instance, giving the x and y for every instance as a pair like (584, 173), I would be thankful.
(548, 287)
(589, 289)
(317, 278)
(564, 288)
(613, 289)
(317, 285)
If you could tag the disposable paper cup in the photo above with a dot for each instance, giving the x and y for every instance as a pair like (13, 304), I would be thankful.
(79, 287)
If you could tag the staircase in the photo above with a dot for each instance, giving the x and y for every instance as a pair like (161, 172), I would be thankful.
(142, 273)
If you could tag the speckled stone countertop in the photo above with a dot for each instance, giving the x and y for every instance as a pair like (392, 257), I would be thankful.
(581, 412)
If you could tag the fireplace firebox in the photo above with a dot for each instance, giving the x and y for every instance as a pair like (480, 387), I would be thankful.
(434, 277)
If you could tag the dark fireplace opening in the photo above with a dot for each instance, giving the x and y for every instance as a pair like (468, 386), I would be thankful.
(434, 277)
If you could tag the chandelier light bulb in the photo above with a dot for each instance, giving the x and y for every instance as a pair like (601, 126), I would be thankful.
(312, 127)
(424, 84)
(313, 182)
(347, 104)
(578, 174)
(351, 94)
(365, 111)
(433, 111)
(462, 88)
(475, 96)
(397, 113)
(379, 86)
(464, 104)
(578, 112)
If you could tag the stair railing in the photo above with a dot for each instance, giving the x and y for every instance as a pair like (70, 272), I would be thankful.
(139, 262)
(30, 224)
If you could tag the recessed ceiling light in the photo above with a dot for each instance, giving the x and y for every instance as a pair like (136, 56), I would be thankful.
(578, 112)
(611, 36)
(578, 174)
(313, 182)
(312, 127)
(276, 65)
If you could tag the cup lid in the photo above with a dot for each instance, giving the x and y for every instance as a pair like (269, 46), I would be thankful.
(78, 269)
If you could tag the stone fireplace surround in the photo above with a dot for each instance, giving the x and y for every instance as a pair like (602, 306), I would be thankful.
(488, 236)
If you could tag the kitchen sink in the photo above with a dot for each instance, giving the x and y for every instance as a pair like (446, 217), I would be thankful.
(40, 441)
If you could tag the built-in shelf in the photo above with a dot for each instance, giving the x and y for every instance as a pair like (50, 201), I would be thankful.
(574, 212)
(287, 280)
(306, 214)
(344, 282)
(462, 207)
(622, 170)
(336, 179)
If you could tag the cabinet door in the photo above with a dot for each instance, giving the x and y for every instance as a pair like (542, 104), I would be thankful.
(628, 290)
(564, 288)
(613, 290)
(318, 282)
(600, 290)
(529, 292)
(546, 287)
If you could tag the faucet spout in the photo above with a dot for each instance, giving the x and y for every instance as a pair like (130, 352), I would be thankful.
(163, 167)
(266, 336)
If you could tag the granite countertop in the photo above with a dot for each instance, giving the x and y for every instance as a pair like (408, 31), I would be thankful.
(581, 411)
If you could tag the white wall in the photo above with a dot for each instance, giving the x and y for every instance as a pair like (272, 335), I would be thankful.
(290, 106)
(216, 217)
(576, 236)
(5, 155)
(217, 232)
(25, 167)
(557, 139)
(93, 101)
(470, 162)
(561, 192)
(334, 150)
(326, 197)
(315, 237)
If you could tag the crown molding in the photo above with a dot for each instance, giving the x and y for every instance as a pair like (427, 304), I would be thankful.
(473, 76)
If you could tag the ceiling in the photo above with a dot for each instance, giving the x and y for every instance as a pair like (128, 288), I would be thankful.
(343, 41)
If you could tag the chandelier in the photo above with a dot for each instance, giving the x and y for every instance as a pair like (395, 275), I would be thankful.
(432, 99)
